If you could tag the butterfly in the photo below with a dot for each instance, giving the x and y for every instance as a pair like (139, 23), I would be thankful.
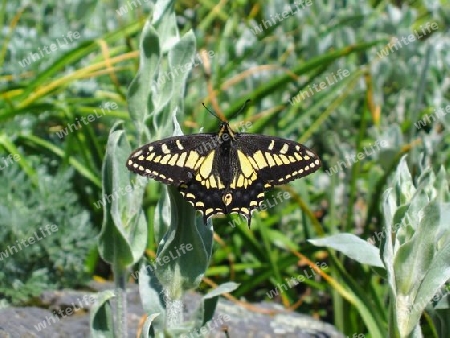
(224, 172)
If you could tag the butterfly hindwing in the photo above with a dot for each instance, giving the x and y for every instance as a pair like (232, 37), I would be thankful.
(205, 190)
(207, 201)
(225, 183)
(245, 200)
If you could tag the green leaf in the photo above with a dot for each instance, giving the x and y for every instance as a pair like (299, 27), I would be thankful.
(101, 316)
(152, 296)
(205, 311)
(221, 289)
(147, 325)
(186, 248)
(353, 247)
(430, 269)
(165, 23)
(170, 98)
(124, 231)
(393, 136)
(139, 95)
(26, 166)
(414, 257)
(404, 186)
(443, 190)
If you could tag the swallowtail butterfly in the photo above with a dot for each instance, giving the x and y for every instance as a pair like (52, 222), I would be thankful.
(224, 172)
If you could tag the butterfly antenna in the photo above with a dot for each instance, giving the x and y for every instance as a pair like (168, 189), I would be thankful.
(243, 106)
(211, 112)
(239, 111)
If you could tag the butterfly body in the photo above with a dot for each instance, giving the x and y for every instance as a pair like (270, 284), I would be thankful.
(224, 172)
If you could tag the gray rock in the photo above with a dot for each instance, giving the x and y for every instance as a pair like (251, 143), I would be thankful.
(55, 318)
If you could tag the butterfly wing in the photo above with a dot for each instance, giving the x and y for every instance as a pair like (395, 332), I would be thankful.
(188, 162)
(277, 160)
(173, 160)
(262, 162)
(224, 178)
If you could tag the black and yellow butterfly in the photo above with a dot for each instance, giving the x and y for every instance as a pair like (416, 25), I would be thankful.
(224, 172)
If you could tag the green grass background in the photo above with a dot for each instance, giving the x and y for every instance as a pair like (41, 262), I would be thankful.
(383, 98)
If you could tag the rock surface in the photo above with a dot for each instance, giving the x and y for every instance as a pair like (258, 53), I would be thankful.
(240, 322)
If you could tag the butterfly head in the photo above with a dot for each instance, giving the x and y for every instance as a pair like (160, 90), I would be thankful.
(225, 132)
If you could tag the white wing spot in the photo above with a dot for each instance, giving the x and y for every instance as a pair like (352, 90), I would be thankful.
(165, 149)
(179, 145)
(136, 154)
(310, 153)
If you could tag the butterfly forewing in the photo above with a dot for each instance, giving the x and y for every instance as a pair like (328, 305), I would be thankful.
(173, 160)
(276, 160)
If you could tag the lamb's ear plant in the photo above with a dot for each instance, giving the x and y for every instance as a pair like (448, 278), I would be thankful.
(414, 251)
(123, 237)
(417, 255)
(155, 102)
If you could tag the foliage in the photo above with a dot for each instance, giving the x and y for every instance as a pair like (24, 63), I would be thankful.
(361, 126)
(60, 230)
(414, 247)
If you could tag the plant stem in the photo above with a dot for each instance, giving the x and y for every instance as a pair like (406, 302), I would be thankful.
(174, 308)
(121, 308)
